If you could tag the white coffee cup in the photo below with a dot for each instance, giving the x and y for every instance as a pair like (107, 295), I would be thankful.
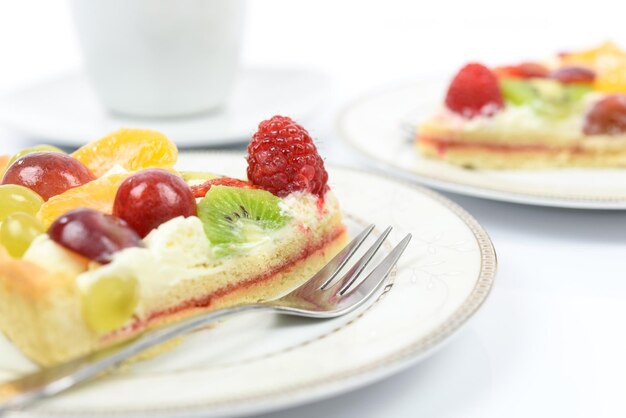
(160, 58)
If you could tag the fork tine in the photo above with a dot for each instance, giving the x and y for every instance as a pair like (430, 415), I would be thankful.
(360, 265)
(332, 268)
(380, 272)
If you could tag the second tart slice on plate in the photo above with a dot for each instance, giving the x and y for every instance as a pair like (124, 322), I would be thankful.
(566, 111)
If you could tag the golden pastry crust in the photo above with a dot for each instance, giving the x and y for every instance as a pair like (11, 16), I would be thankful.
(40, 312)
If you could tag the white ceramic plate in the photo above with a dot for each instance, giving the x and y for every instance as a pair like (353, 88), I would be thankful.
(382, 127)
(65, 111)
(262, 362)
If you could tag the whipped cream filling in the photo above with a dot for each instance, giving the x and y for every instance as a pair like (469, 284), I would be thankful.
(53, 257)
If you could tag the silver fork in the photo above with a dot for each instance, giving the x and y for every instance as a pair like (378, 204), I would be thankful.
(322, 296)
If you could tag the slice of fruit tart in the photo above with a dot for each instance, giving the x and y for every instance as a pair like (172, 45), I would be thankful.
(568, 111)
(111, 240)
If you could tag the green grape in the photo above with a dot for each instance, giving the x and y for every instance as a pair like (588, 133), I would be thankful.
(17, 231)
(36, 148)
(14, 198)
(110, 302)
(197, 177)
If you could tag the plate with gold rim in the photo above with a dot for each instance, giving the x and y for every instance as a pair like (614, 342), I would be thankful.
(381, 126)
(262, 362)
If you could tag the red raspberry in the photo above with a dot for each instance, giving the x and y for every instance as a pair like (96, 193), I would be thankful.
(475, 91)
(282, 158)
(201, 190)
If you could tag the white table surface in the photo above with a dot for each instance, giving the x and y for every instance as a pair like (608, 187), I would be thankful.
(550, 341)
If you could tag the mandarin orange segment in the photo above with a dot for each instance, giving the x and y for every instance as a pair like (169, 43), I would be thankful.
(593, 57)
(4, 160)
(612, 81)
(98, 194)
(132, 149)
(609, 63)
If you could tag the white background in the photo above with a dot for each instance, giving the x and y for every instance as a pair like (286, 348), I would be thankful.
(551, 340)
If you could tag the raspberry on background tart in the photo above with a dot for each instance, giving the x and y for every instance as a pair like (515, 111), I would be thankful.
(139, 244)
(568, 111)
(474, 91)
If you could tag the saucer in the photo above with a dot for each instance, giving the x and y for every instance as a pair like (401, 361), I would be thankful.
(65, 110)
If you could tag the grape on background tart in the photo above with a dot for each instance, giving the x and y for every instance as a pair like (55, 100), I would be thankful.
(568, 111)
(111, 240)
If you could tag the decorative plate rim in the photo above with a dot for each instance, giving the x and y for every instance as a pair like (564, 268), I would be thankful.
(564, 200)
(351, 379)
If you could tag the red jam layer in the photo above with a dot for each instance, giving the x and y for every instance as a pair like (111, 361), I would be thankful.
(443, 145)
(207, 300)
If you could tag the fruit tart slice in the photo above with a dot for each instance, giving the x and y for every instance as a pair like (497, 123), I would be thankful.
(109, 241)
(569, 111)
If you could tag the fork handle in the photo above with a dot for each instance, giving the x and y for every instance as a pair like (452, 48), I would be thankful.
(26, 389)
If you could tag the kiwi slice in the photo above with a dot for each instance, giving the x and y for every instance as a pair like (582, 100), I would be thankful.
(233, 216)
(548, 98)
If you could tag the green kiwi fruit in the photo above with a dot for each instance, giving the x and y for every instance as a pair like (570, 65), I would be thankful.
(233, 216)
(548, 98)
